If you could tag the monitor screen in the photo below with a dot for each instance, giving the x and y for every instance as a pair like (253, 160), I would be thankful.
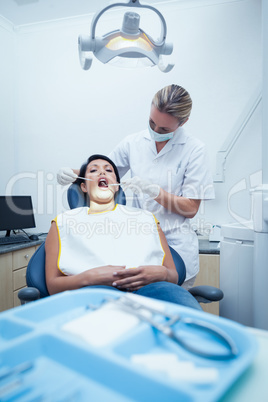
(16, 212)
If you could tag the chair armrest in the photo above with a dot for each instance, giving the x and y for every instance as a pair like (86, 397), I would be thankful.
(28, 294)
(206, 294)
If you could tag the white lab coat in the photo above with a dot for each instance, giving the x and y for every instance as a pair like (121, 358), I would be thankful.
(179, 168)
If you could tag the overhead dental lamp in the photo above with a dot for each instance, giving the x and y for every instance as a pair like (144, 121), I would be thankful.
(129, 46)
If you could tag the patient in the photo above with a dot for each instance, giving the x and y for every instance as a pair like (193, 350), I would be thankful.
(110, 245)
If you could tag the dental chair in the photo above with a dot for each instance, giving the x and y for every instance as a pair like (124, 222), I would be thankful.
(35, 274)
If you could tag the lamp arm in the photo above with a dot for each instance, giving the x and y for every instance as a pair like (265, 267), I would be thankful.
(132, 3)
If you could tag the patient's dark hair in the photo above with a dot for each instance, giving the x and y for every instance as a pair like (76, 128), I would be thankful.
(83, 168)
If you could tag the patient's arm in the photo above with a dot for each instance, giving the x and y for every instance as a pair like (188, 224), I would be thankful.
(135, 278)
(58, 282)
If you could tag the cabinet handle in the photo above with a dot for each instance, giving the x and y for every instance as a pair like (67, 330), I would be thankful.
(26, 256)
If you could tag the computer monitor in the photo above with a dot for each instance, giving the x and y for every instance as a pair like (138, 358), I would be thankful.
(16, 212)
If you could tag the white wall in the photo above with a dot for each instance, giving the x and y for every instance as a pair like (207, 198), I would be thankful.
(63, 114)
(7, 59)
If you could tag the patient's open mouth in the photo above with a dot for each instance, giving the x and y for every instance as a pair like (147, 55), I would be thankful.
(103, 182)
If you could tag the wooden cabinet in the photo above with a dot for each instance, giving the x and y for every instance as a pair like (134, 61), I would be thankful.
(13, 275)
(209, 274)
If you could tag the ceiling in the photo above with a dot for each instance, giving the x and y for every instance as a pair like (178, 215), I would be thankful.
(21, 12)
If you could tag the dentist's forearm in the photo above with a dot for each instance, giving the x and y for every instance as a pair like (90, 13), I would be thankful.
(180, 205)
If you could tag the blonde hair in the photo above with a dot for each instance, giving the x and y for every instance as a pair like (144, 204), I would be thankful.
(175, 101)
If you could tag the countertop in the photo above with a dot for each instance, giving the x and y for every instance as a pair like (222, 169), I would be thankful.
(205, 246)
(208, 247)
(8, 248)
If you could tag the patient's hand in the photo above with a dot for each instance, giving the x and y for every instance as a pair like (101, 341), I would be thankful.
(135, 278)
(104, 275)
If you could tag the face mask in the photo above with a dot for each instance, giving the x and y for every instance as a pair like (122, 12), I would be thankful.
(160, 137)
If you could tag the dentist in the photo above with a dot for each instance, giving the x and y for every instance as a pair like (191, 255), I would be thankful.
(169, 172)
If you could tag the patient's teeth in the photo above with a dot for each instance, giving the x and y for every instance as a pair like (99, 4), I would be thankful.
(103, 183)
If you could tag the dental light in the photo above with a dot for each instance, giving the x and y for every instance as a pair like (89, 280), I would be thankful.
(129, 46)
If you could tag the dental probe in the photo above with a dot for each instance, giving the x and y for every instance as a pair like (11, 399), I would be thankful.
(84, 178)
(117, 184)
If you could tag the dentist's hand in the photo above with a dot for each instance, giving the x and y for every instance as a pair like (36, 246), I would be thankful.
(66, 176)
(138, 185)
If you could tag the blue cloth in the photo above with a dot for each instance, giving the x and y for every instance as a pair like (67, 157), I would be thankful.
(165, 291)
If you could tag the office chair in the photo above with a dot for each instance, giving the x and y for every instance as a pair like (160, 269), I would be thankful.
(35, 274)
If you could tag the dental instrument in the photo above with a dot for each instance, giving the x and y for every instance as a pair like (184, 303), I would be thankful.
(84, 178)
(17, 370)
(141, 311)
(117, 184)
(11, 380)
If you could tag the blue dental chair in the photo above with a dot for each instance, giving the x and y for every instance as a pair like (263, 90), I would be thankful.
(35, 274)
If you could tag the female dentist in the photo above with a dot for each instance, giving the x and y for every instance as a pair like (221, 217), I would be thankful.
(169, 172)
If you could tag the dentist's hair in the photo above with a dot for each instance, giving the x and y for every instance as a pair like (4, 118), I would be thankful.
(175, 101)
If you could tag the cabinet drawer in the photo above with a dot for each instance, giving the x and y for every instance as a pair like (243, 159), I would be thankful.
(22, 257)
(6, 288)
(19, 278)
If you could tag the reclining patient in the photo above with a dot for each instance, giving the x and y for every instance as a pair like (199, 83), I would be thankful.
(110, 245)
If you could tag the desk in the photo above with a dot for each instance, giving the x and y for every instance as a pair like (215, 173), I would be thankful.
(14, 259)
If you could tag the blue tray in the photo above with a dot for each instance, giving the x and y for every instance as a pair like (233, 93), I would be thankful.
(41, 361)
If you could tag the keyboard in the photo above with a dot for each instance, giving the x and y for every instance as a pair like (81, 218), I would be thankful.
(13, 240)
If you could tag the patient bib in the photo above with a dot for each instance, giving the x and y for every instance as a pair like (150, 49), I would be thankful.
(125, 236)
